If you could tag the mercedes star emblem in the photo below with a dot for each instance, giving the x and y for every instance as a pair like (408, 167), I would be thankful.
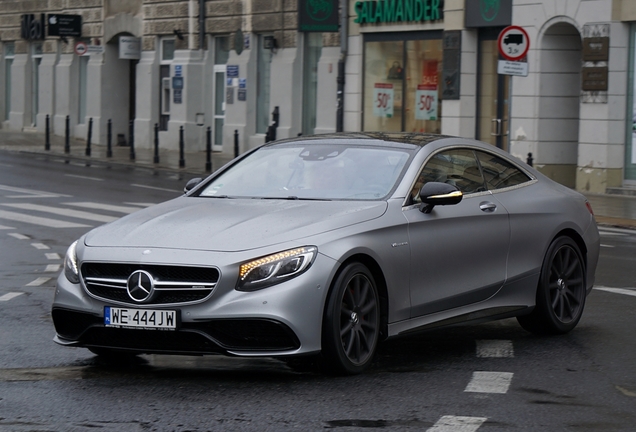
(140, 286)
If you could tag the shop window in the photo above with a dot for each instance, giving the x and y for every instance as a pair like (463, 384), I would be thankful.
(402, 82)
(311, 55)
(167, 49)
(263, 85)
(221, 49)
(9, 55)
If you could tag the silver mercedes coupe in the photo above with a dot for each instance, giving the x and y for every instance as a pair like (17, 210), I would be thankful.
(322, 247)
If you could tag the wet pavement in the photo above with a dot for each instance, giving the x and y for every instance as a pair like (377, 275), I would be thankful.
(609, 209)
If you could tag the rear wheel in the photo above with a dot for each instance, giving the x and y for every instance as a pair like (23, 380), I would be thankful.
(561, 291)
(351, 324)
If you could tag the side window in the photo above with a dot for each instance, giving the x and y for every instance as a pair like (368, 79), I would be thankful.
(500, 173)
(458, 167)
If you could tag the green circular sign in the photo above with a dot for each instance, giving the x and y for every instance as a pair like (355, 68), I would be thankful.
(319, 10)
(489, 9)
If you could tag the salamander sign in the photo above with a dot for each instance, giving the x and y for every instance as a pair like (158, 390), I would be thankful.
(392, 11)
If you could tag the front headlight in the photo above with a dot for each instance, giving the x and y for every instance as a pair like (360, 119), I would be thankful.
(275, 268)
(70, 264)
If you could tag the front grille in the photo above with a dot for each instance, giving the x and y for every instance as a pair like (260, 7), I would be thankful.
(173, 284)
(213, 336)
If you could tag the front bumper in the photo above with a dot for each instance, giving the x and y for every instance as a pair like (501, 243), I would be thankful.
(281, 320)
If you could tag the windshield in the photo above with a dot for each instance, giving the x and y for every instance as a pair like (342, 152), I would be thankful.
(312, 171)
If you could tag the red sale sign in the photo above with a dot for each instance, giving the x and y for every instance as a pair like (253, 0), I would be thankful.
(383, 100)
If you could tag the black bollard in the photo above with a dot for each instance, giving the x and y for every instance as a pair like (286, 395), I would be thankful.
(47, 135)
(530, 159)
(109, 139)
(90, 136)
(131, 139)
(156, 159)
(236, 144)
(181, 145)
(208, 150)
(67, 135)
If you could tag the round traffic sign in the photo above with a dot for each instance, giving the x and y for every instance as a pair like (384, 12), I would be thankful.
(81, 48)
(513, 43)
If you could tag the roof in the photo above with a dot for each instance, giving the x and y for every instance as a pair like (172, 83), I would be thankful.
(413, 138)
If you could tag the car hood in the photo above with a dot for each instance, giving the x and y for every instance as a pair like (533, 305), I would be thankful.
(230, 225)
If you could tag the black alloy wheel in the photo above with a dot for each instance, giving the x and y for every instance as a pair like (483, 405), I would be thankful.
(561, 292)
(351, 324)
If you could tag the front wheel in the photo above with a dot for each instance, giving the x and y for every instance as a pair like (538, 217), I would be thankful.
(561, 291)
(351, 324)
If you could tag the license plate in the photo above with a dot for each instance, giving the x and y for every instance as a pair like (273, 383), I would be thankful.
(140, 318)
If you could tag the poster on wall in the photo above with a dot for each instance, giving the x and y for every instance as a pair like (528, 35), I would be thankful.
(383, 100)
(426, 96)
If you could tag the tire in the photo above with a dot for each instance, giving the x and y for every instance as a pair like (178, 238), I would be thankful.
(561, 292)
(351, 323)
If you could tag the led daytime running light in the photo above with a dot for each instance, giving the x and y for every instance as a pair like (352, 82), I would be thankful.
(246, 268)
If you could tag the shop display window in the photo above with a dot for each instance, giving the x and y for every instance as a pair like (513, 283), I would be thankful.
(402, 83)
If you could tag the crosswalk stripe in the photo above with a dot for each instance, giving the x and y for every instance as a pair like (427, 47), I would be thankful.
(52, 268)
(9, 296)
(39, 281)
(457, 424)
(53, 256)
(35, 220)
(489, 382)
(629, 292)
(30, 193)
(40, 246)
(100, 206)
(19, 236)
(84, 177)
(495, 348)
(4, 227)
(156, 188)
(62, 211)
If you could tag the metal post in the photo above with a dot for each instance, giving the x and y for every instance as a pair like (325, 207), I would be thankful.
(67, 135)
(530, 160)
(236, 144)
(47, 142)
(156, 159)
(208, 150)
(131, 139)
(181, 146)
(109, 139)
(90, 135)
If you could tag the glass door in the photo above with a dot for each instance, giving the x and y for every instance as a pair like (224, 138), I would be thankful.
(493, 94)
(219, 106)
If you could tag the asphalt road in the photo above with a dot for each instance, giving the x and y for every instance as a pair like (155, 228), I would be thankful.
(488, 377)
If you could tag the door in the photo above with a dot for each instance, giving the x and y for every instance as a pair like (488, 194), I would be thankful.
(493, 93)
(458, 252)
(219, 106)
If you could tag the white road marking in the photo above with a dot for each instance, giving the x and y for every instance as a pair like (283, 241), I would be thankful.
(109, 207)
(40, 246)
(457, 424)
(30, 193)
(39, 281)
(607, 246)
(10, 296)
(63, 211)
(19, 236)
(611, 234)
(629, 292)
(616, 230)
(53, 256)
(155, 188)
(4, 227)
(495, 348)
(34, 220)
(84, 177)
(52, 268)
(141, 204)
(490, 382)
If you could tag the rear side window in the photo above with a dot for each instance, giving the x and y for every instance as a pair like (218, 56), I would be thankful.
(499, 173)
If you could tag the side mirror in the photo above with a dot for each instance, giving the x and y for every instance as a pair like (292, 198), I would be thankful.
(435, 193)
(191, 184)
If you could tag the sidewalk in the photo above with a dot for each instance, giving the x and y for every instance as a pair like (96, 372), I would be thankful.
(609, 210)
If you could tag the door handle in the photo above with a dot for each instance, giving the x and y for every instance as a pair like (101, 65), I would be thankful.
(495, 127)
(487, 206)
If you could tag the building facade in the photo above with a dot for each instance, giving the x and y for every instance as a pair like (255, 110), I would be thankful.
(409, 65)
